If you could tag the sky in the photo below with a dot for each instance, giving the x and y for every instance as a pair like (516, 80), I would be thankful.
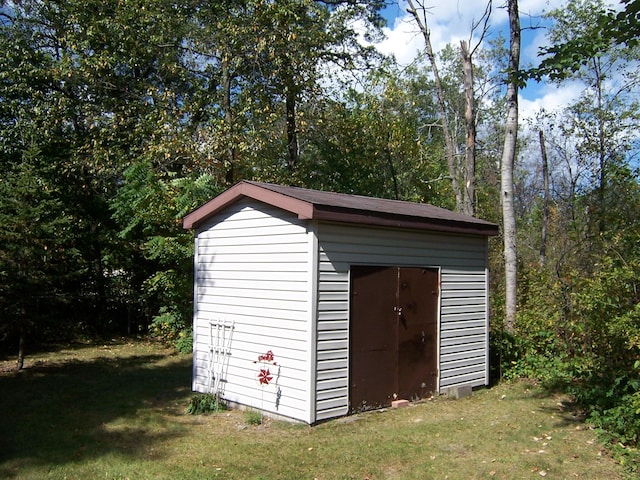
(450, 21)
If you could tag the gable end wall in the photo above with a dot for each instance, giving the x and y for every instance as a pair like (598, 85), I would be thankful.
(251, 268)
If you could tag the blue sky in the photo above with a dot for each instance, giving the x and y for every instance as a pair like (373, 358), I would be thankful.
(450, 21)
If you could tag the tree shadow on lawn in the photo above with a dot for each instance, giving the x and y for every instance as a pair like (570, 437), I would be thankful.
(53, 414)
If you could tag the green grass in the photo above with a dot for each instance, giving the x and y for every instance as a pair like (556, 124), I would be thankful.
(117, 411)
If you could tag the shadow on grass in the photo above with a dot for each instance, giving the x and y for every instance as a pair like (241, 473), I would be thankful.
(70, 411)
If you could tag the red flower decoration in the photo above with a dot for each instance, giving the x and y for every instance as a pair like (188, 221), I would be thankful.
(267, 357)
(264, 376)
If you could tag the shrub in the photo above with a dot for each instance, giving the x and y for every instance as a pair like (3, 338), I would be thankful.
(204, 403)
(253, 417)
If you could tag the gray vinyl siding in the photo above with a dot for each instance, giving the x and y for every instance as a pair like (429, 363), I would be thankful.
(463, 299)
(252, 266)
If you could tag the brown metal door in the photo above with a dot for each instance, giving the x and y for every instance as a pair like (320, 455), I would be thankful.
(417, 332)
(393, 335)
(373, 337)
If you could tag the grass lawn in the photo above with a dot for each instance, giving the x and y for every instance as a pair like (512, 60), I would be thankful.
(116, 411)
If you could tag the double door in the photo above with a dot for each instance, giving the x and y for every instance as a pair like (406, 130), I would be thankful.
(393, 335)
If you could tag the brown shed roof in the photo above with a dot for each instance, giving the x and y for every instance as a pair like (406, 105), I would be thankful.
(339, 207)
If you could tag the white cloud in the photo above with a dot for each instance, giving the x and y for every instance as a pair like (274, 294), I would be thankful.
(550, 97)
(450, 21)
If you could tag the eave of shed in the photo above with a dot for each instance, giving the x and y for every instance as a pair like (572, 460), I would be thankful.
(343, 208)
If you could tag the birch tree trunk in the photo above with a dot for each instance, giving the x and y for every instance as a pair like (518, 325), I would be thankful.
(469, 206)
(507, 167)
(444, 118)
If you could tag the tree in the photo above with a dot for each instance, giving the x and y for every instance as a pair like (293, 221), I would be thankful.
(459, 172)
(609, 27)
(507, 169)
(39, 256)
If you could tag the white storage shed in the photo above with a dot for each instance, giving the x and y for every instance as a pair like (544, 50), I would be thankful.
(312, 305)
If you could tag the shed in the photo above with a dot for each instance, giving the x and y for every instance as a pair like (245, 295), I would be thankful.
(312, 305)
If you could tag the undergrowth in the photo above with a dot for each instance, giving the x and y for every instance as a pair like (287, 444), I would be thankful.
(204, 404)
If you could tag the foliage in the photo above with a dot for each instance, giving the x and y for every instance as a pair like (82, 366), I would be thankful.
(150, 206)
(131, 134)
(606, 28)
(253, 417)
(204, 404)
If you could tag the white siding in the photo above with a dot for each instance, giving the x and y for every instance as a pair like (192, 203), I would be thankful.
(463, 298)
(252, 268)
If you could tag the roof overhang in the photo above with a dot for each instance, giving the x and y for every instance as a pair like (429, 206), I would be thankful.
(339, 208)
(303, 209)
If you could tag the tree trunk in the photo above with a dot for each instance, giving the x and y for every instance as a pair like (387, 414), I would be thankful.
(21, 342)
(448, 140)
(507, 168)
(228, 120)
(545, 202)
(292, 129)
(469, 206)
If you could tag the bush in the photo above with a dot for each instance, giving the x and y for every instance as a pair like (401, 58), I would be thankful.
(171, 327)
(253, 417)
(205, 403)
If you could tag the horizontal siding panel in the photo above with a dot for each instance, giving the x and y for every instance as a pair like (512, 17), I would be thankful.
(463, 371)
(464, 348)
(212, 276)
(398, 248)
(334, 306)
(477, 356)
(332, 335)
(332, 355)
(268, 303)
(336, 285)
(449, 312)
(478, 314)
(342, 260)
(341, 325)
(332, 384)
(333, 403)
(327, 374)
(274, 237)
(449, 294)
(288, 407)
(329, 297)
(469, 286)
(332, 344)
(333, 364)
(247, 286)
(332, 316)
(243, 219)
(392, 236)
(250, 322)
(465, 326)
(465, 278)
(463, 301)
(330, 276)
(327, 413)
(244, 362)
(447, 341)
(288, 243)
(215, 294)
(238, 310)
(258, 262)
(278, 260)
(336, 393)
(473, 379)
(474, 363)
